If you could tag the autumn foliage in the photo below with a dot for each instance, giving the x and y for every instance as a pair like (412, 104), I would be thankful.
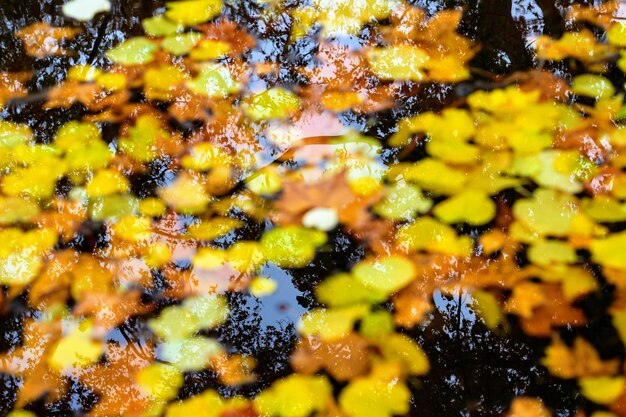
(514, 195)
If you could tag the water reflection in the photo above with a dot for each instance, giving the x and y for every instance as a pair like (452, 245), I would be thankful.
(475, 372)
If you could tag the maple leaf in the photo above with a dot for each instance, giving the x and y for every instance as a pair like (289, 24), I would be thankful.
(580, 361)
(334, 192)
(115, 380)
(553, 311)
(30, 362)
(109, 310)
(41, 39)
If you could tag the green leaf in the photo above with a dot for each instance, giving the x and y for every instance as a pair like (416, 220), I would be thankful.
(292, 246)
(181, 44)
(402, 202)
(591, 85)
(331, 324)
(215, 81)
(159, 26)
(382, 394)
(135, 51)
(386, 275)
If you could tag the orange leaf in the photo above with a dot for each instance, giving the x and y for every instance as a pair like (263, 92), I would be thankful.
(29, 362)
(41, 40)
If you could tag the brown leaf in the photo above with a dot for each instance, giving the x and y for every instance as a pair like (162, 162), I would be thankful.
(555, 311)
(29, 362)
(12, 85)
(115, 383)
(92, 96)
(580, 361)
(233, 369)
(344, 359)
(226, 31)
(109, 310)
(53, 283)
(41, 40)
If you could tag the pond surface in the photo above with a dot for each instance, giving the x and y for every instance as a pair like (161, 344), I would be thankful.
(474, 371)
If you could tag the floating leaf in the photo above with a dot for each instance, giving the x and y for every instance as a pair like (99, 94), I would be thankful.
(272, 104)
(344, 289)
(160, 26)
(381, 394)
(294, 396)
(331, 324)
(185, 194)
(134, 51)
(402, 202)
(192, 12)
(291, 247)
(190, 354)
(215, 81)
(472, 207)
(85, 10)
(159, 381)
(41, 40)
(399, 62)
(181, 44)
(428, 234)
(262, 286)
(76, 350)
(602, 389)
(594, 86)
(386, 275)
(321, 218)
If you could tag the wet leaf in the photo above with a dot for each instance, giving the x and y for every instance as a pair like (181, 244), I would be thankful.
(192, 12)
(41, 40)
(85, 10)
(294, 396)
(134, 51)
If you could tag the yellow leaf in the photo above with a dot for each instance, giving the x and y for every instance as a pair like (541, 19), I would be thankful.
(292, 246)
(386, 275)
(294, 396)
(262, 286)
(471, 206)
(106, 182)
(602, 390)
(401, 348)
(428, 234)
(215, 81)
(76, 350)
(192, 12)
(331, 324)
(616, 35)
(274, 103)
(487, 307)
(159, 381)
(398, 62)
(547, 252)
(381, 394)
(185, 194)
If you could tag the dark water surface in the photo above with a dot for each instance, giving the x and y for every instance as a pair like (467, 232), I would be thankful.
(474, 372)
